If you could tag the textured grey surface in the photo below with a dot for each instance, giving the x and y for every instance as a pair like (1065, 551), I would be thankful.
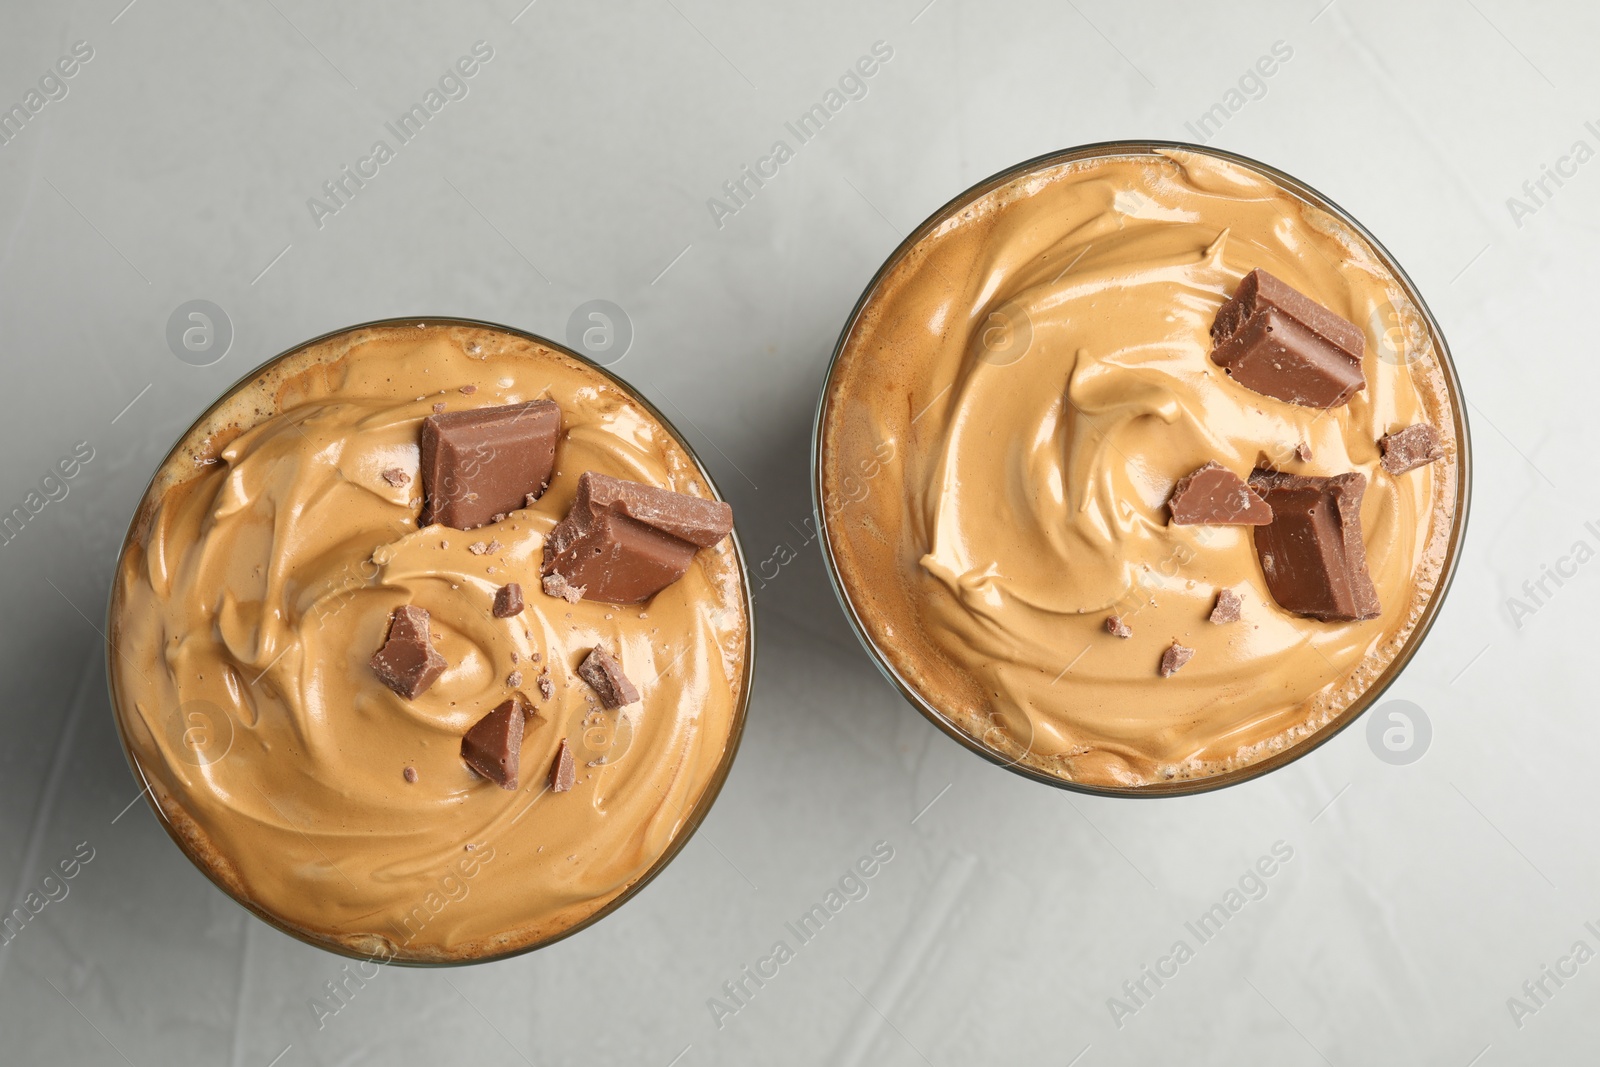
(1419, 897)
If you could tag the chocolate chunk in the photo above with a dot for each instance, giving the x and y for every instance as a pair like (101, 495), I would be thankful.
(1311, 553)
(605, 677)
(508, 601)
(1212, 495)
(409, 774)
(1410, 448)
(408, 663)
(1117, 628)
(623, 542)
(1280, 342)
(555, 585)
(1302, 452)
(1173, 659)
(1227, 607)
(396, 477)
(478, 464)
(493, 746)
(563, 772)
(547, 688)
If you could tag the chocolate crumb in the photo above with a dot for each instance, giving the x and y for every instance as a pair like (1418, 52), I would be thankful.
(494, 546)
(1227, 607)
(1117, 628)
(547, 688)
(499, 517)
(514, 679)
(556, 585)
(437, 408)
(563, 772)
(508, 603)
(1173, 659)
(410, 774)
(396, 477)
(530, 500)
(468, 390)
(513, 655)
(477, 548)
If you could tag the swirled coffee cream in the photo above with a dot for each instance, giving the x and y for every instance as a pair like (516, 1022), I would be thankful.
(1130, 469)
(363, 695)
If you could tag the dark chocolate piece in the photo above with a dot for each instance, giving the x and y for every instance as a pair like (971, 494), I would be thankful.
(480, 463)
(408, 663)
(605, 677)
(1410, 448)
(563, 772)
(1212, 495)
(1281, 343)
(1312, 554)
(494, 745)
(508, 600)
(1117, 628)
(396, 477)
(623, 542)
(1173, 659)
(1227, 607)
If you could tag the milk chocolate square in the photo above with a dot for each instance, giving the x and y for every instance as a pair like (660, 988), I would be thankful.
(485, 462)
(623, 542)
(1281, 343)
(408, 663)
(493, 747)
(1311, 553)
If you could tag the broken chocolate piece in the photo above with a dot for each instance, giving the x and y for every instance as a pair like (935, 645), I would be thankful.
(605, 677)
(1312, 554)
(1117, 628)
(1410, 448)
(493, 746)
(1281, 343)
(1173, 659)
(1212, 495)
(480, 463)
(563, 772)
(508, 600)
(1302, 452)
(396, 477)
(408, 663)
(623, 542)
(555, 585)
(1227, 607)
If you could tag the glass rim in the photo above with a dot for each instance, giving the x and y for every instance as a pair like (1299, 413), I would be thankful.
(696, 815)
(1430, 610)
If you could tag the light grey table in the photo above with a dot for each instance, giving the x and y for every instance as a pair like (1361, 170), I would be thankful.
(577, 164)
